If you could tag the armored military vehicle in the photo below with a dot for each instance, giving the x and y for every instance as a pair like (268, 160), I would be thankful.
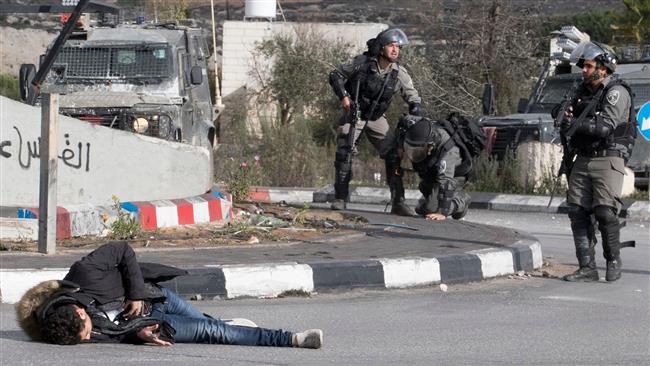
(149, 79)
(533, 121)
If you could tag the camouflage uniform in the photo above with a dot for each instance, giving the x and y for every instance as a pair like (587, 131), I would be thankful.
(375, 95)
(596, 177)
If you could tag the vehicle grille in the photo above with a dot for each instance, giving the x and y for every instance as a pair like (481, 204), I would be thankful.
(641, 94)
(508, 138)
(116, 119)
(110, 63)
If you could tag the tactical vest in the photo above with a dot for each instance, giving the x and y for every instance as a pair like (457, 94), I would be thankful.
(375, 90)
(624, 134)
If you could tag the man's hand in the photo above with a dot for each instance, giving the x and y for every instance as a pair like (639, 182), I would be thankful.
(151, 334)
(435, 216)
(132, 308)
(346, 102)
(569, 111)
(565, 124)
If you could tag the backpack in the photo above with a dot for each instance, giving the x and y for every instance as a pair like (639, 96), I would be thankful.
(467, 135)
(465, 132)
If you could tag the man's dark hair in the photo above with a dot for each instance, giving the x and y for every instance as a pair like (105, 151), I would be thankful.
(62, 326)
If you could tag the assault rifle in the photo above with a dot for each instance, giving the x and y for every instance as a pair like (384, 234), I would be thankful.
(355, 114)
(567, 153)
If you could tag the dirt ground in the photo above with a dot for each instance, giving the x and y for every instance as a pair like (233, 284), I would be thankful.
(252, 224)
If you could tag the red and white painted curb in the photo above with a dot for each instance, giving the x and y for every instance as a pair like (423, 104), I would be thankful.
(81, 220)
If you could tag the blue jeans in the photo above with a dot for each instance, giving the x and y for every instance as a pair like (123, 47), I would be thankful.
(192, 326)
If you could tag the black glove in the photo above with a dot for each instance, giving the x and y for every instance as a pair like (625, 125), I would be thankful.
(414, 109)
(565, 124)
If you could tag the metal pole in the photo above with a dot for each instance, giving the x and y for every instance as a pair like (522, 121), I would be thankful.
(48, 174)
(50, 56)
(217, 89)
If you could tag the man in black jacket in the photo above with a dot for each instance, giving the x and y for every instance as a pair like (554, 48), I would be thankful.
(104, 298)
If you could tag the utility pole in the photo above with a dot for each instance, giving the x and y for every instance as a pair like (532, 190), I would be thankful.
(48, 173)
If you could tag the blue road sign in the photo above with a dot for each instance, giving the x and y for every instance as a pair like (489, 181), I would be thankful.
(643, 119)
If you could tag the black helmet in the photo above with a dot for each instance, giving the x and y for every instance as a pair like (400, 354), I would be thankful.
(418, 138)
(392, 35)
(595, 51)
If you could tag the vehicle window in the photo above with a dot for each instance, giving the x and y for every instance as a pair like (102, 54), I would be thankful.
(186, 61)
(201, 47)
(554, 90)
(114, 62)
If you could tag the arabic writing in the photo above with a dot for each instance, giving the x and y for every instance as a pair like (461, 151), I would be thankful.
(28, 150)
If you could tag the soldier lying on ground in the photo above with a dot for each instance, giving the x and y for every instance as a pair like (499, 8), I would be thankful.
(108, 296)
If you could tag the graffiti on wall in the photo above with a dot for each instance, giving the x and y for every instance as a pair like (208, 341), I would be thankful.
(76, 156)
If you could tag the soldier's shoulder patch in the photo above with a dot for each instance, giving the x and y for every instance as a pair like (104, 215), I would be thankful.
(442, 166)
(612, 96)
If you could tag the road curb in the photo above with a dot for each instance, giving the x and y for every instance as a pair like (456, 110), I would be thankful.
(216, 207)
(83, 220)
(636, 210)
(273, 279)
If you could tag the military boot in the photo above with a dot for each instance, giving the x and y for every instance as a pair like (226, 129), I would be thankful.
(612, 250)
(338, 204)
(461, 202)
(587, 273)
(396, 186)
(580, 226)
(613, 270)
(400, 208)
(342, 177)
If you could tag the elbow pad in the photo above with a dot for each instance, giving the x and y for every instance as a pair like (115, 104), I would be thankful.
(337, 81)
(415, 110)
(594, 127)
(445, 198)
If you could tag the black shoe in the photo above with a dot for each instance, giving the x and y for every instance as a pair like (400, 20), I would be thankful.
(584, 274)
(401, 209)
(459, 215)
(613, 270)
(338, 205)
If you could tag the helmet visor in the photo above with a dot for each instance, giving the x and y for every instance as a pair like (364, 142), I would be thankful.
(393, 35)
(416, 153)
(586, 51)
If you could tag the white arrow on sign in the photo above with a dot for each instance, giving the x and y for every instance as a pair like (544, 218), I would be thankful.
(645, 125)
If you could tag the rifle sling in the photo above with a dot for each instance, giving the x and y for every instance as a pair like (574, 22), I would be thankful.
(584, 113)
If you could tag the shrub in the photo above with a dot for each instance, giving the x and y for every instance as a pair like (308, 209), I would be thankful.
(126, 225)
(9, 86)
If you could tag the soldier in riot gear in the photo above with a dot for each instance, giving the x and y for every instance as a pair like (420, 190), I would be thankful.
(600, 128)
(439, 161)
(374, 77)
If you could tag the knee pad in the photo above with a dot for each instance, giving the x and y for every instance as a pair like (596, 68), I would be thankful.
(606, 216)
(341, 155)
(577, 214)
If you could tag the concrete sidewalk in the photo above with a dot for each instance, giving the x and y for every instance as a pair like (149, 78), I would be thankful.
(391, 252)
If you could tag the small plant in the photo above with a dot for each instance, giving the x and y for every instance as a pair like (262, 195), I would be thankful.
(243, 177)
(294, 293)
(640, 195)
(301, 215)
(485, 177)
(9, 86)
(126, 226)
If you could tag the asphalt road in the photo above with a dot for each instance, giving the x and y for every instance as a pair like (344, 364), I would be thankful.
(537, 321)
